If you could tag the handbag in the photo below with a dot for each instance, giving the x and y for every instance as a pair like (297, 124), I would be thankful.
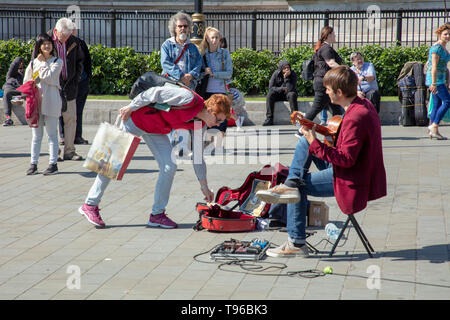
(203, 83)
(149, 80)
(111, 150)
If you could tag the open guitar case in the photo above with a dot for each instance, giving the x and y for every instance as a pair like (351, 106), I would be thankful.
(226, 214)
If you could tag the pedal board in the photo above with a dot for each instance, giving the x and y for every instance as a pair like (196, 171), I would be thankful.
(244, 250)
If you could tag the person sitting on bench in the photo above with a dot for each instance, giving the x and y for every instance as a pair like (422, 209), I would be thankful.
(352, 171)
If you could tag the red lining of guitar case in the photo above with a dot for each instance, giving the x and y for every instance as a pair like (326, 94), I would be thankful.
(219, 219)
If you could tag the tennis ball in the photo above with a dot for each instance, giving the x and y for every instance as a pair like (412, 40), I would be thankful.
(328, 270)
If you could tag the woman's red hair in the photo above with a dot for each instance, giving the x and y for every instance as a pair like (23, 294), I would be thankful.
(219, 103)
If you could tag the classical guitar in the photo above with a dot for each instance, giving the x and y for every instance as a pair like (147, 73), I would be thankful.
(329, 132)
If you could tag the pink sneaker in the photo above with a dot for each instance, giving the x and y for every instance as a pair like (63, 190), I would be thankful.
(161, 220)
(92, 214)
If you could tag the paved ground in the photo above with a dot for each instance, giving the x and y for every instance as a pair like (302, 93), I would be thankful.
(45, 243)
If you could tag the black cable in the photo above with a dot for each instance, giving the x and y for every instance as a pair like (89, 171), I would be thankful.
(256, 267)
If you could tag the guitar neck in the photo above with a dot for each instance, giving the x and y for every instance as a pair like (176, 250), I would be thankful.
(319, 128)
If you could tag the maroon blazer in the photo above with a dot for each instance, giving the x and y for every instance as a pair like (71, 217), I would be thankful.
(358, 169)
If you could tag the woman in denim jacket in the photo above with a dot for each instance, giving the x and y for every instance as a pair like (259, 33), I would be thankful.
(218, 70)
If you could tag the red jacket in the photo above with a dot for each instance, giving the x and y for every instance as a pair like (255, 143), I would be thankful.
(358, 169)
(155, 121)
(32, 103)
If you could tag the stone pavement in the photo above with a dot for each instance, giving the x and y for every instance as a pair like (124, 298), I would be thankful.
(46, 244)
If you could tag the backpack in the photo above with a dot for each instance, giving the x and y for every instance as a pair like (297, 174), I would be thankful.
(308, 69)
(149, 80)
(220, 217)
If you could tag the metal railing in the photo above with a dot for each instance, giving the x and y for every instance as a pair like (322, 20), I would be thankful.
(145, 31)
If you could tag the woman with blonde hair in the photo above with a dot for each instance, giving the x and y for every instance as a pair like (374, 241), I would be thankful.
(436, 80)
(217, 62)
(218, 69)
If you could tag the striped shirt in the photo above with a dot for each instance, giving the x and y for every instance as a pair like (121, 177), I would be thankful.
(61, 49)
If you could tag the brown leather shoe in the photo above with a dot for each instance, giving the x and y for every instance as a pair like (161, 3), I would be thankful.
(74, 157)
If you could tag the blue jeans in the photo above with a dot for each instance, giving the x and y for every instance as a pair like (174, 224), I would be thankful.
(316, 184)
(323, 115)
(160, 147)
(51, 126)
(441, 103)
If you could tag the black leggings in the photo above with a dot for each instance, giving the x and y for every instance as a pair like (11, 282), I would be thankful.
(322, 101)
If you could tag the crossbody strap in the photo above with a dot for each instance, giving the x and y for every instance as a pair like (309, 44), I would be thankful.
(182, 53)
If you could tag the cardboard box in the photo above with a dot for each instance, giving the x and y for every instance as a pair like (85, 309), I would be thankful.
(317, 214)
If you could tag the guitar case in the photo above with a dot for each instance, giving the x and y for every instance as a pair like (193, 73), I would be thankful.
(228, 213)
(407, 90)
(217, 218)
(420, 108)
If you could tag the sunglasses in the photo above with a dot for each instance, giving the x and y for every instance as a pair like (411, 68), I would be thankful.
(219, 121)
(182, 26)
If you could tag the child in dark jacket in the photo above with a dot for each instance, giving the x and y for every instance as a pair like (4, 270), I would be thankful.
(282, 87)
(14, 79)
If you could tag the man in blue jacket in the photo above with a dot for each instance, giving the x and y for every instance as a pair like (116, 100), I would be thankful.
(180, 58)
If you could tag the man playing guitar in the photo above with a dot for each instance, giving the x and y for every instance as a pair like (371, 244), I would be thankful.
(352, 170)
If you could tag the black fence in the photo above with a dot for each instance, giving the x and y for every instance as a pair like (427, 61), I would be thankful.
(145, 31)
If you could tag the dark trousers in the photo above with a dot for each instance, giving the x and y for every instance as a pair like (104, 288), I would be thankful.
(83, 91)
(374, 97)
(7, 96)
(322, 102)
(275, 96)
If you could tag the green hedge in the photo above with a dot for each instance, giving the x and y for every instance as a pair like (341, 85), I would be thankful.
(387, 62)
(115, 69)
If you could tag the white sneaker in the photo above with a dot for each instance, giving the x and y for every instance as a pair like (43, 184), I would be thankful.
(279, 194)
(288, 250)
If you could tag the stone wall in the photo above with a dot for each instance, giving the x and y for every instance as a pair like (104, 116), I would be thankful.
(98, 111)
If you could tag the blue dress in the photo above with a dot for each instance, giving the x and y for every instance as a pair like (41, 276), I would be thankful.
(444, 58)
